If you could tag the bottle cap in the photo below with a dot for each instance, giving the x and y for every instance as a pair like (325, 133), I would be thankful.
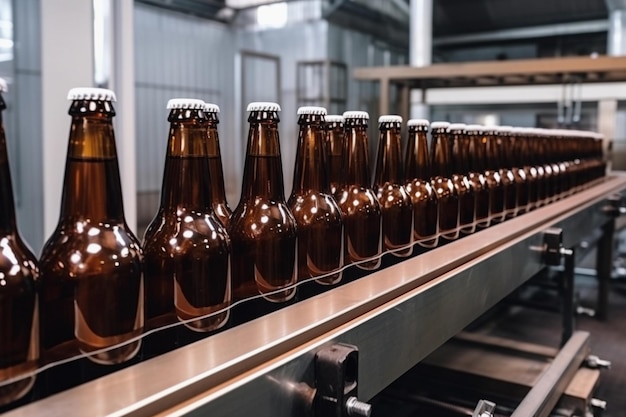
(3, 86)
(211, 108)
(418, 122)
(312, 110)
(334, 118)
(474, 128)
(185, 103)
(263, 106)
(439, 125)
(355, 114)
(389, 118)
(88, 93)
(457, 127)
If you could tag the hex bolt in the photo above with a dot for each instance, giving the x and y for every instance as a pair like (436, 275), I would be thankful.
(356, 408)
(594, 362)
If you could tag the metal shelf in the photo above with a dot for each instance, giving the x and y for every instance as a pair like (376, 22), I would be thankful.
(396, 316)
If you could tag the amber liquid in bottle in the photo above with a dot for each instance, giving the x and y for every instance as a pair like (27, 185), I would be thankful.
(186, 247)
(512, 152)
(359, 205)
(473, 141)
(506, 173)
(320, 226)
(542, 186)
(492, 175)
(531, 171)
(462, 185)
(447, 196)
(395, 202)
(221, 209)
(19, 272)
(262, 229)
(334, 153)
(91, 267)
(419, 188)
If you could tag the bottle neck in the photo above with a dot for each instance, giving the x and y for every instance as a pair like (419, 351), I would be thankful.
(389, 158)
(263, 171)
(477, 151)
(310, 168)
(417, 162)
(458, 158)
(92, 188)
(355, 153)
(186, 183)
(7, 204)
(441, 156)
(218, 192)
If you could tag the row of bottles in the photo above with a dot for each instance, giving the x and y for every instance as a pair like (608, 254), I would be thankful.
(96, 290)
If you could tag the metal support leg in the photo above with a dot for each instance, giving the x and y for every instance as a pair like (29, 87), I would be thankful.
(568, 295)
(604, 259)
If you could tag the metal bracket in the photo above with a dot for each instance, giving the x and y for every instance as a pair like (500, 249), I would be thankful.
(553, 246)
(595, 362)
(336, 381)
(484, 408)
(615, 205)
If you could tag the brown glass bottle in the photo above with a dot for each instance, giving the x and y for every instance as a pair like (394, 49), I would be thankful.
(447, 196)
(318, 217)
(473, 143)
(541, 185)
(262, 229)
(360, 208)
(501, 137)
(513, 154)
(397, 209)
(91, 267)
(492, 175)
(186, 247)
(221, 209)
(417, 184)
(459, 168)
(541, 158)
(334, 151)
(19, 272)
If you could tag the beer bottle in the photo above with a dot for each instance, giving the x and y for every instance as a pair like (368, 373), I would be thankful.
(417, 184)
(186, 248)
(360, 208)
(334, 151)
(551, 158)
(221, 209)
(458, 175)
(502, 135)
(262, 229)
(447, 195)
(541, 138)
(19, 272)
(320, 227)
(542, 186)
(473, 143)
(512, 154)
(91, 266)
(532, 176)
(397, 209)
(492, 175)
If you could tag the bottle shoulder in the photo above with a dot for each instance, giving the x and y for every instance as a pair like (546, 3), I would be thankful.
(313, 206)
(258, 216)
(80, 249)
(18, 265)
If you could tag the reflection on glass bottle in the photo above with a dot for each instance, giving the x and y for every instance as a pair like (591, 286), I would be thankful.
(186, 247)
(91, 266)
(417, 184)
(459, 168)
(473, 142)
(359, 206)
(447, 196)
(320, 226)
(532, 177)
(334, 151)
(492, 174)
(19, 348)
(512, 152)
(395, 202)
(221, 209)
(262, 228)
(501, 138)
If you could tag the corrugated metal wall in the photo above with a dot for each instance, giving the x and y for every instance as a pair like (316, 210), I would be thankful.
(177, 56)
(23, 121)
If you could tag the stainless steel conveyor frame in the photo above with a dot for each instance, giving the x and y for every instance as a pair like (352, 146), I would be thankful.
(395, 316)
